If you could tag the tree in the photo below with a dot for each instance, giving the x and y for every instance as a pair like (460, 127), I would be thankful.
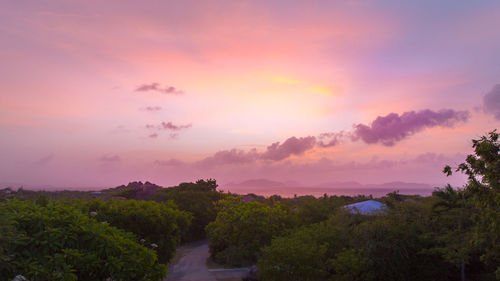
(158, 224)
(453, 221)
(196, 198)
(241, 229)
(303, 254)
(483, 171)
(61, 243)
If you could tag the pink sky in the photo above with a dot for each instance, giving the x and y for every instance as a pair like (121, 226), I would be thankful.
(99, 93)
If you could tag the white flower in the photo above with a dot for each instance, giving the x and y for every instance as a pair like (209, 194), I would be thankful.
(142, 240)
(93, 214)
(19, 278)
(153, 245)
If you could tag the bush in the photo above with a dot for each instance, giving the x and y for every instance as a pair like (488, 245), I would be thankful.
(61, 243)
(242, 229)
(196, 198)
(157, 225)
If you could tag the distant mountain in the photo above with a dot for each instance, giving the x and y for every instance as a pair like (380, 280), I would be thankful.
(389, 185)
(402, 185)
(352, 188)
(257, 183)
(347, 184)
(24, 186)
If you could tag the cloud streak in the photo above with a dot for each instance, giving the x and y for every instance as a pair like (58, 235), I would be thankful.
(153, 108)
(291, 146)
(274, 152)
(44, 160)
(111, 158)
(392, 128)
(233, 156)
(156, 87)
(170, 162)
(167, 126)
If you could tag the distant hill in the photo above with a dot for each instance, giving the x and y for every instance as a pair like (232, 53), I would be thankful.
(389, 185)
(290, 188)
(260, 183)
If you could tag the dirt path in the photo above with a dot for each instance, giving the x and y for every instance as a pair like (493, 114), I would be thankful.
(191, 264)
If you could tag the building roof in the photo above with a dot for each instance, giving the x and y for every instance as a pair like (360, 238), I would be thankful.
(366, 207)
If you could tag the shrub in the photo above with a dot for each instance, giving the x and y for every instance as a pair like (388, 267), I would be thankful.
(153, 223)
(61, 243)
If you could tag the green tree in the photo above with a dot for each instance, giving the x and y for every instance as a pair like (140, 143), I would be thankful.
(157, 225)
(483, 171)
(301, 255)
(61, 243)
(196, 198)
(241, 229)
(10, 238)
(453, 226)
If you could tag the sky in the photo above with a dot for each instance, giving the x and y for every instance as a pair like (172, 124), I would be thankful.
(100, 93)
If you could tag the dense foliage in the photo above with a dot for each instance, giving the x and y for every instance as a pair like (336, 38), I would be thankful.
(158, 224)
(242, 228)
(196, 198)
(55, 241)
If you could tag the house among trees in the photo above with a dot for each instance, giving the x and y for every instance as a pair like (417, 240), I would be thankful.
(368, 207)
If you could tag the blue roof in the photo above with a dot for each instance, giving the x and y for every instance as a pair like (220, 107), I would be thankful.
(366, 207)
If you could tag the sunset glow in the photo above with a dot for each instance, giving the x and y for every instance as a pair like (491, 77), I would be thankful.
(100, 93)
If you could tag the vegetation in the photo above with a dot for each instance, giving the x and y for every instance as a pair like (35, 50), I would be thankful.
(452, 235)
(197, 198)
(242, 228)
(58, 242)
(160, 225)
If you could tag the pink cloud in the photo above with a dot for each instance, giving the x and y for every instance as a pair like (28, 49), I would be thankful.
(167, 126)
(44, 160)
(170, 162)
(171, 126)
(331, 139)
(491, 102)
(155, 87)
(111, 158)
(233, 156)
(153, 108)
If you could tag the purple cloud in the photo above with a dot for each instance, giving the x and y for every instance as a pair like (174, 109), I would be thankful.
(387, 130)
(169, 90)
(170, 162)
(392, 128)
(153, 108)
(491, 102)
(291, 146)
(172, 127)
(110, 158)
(330, 139)
(44, 160)
(233, 156)
(167, 126)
